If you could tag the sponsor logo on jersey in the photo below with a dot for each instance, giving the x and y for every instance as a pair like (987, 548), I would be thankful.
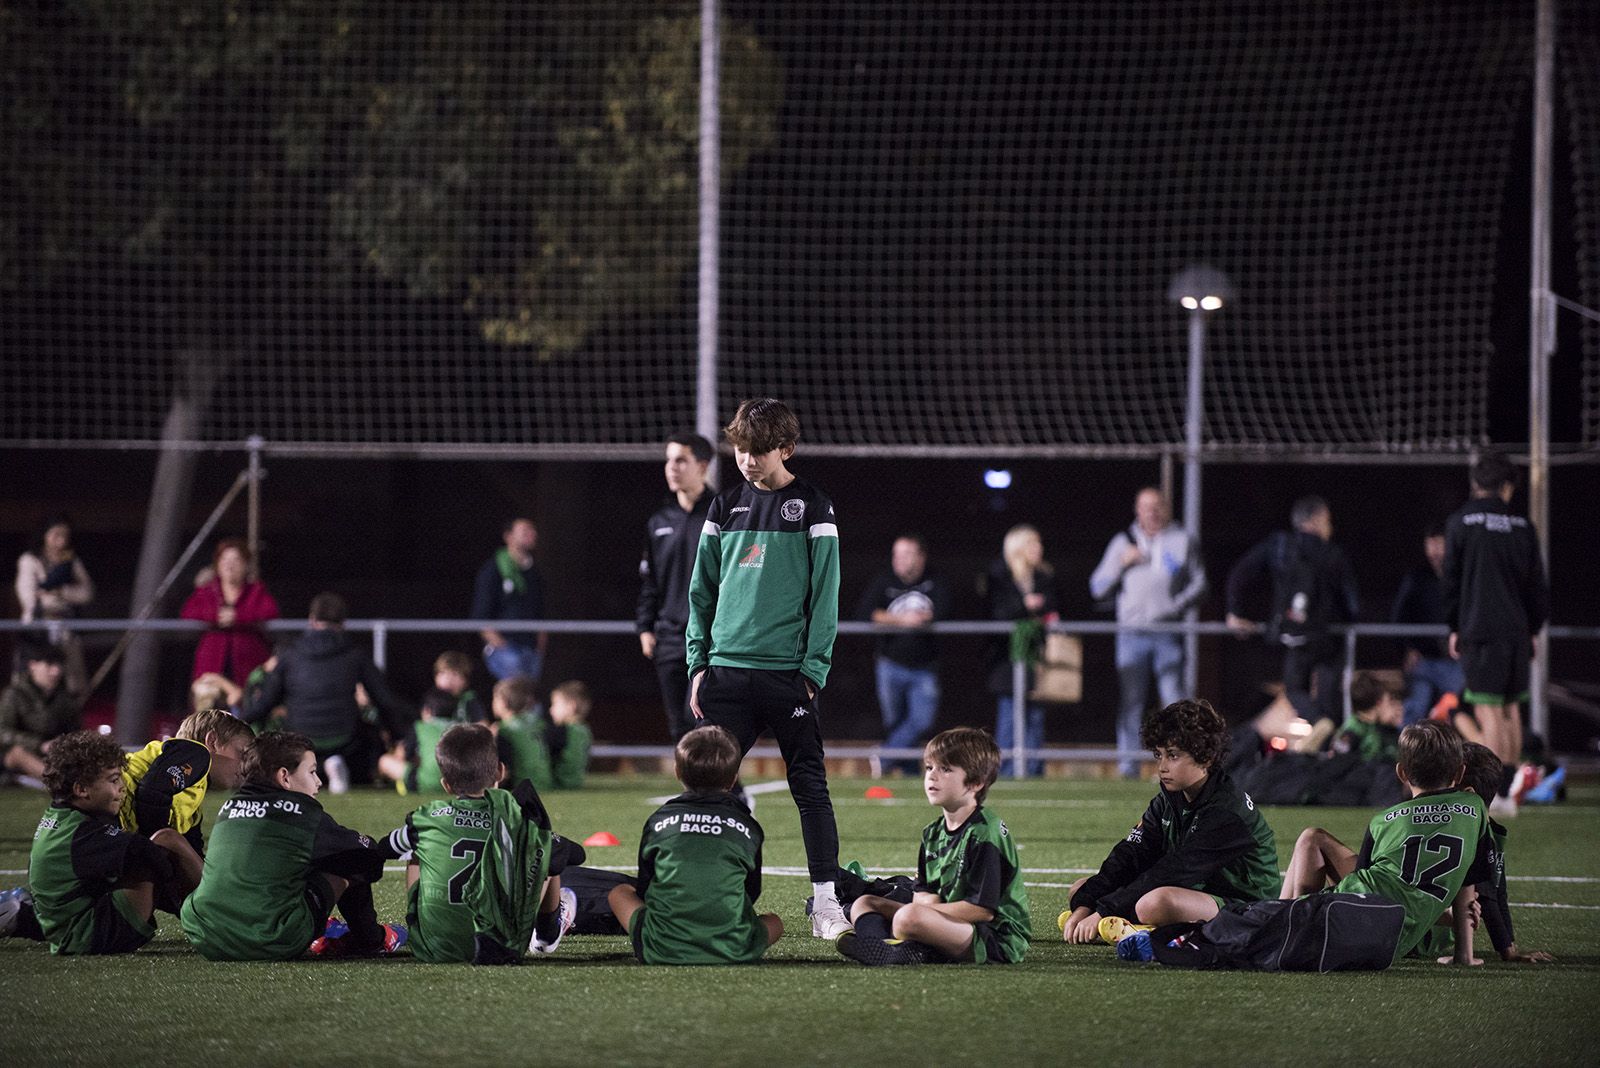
(799, 710)
(1137, 834)
(1249, 804)
(662, 532)
(793, 510)
(741, 508)
(180, 776)
(754, 556)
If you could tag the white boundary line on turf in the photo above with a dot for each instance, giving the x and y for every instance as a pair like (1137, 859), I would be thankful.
(759, 788)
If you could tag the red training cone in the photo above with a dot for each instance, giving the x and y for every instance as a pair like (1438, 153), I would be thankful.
(879, 793)
(601, 838)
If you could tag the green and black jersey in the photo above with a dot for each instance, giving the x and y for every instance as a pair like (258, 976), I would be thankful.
(1419, 853)
(1218, 844)
(523, 750)
(251, 903)
(1371, 741)
(76, 862)
(977, 863)
(765, 589)
(700, 875)
(569, 746)
(445, 839)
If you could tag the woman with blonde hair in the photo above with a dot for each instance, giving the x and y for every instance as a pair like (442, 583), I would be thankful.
(1021, 586)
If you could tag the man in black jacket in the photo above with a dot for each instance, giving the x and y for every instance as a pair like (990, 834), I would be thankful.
(671, 538)
(316, 679)
(1496, 599)
(1313, 586)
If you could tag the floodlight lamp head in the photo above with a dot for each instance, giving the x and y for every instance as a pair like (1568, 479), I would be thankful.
(1200, 288)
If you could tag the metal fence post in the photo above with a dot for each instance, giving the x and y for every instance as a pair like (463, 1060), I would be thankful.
(1019, 717)
(380, 644)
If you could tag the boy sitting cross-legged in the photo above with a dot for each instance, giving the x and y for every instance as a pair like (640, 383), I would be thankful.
(969, 903)
(278, 864)
(444, 843)
(95, 886)
(1200, 845)
(699, 867)
(1423, 854)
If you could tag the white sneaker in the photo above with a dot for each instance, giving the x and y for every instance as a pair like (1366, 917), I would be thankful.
(338, 774)
(829, 922)
(1503, 808)
(569, 916)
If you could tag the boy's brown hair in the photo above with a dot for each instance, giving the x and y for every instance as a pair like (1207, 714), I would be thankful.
(468, 759)
(578, 694)
(271, 751)
(454, 660)
(1366, 690)
(1190, 725)
(517, 693)
(1431, 755)
(707, 760)
(970, 749)
(761, 425)
(219, 721)
(78, 759)
(1484, 771)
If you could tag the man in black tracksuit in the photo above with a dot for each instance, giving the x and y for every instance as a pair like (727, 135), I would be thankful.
(1313, 586)
(1496, 599)
(670, 540)
(316, 679)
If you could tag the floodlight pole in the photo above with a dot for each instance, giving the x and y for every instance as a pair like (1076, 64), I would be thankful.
(706, 422)
(1542, 336)
(1193, 415)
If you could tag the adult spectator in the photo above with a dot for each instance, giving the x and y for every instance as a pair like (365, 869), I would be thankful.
(235, 606)
(1021, 586)
(1430, 671)
(1313, 587)
(36, 709)
(315, 678)
(509, 588)
(671, 538)
(1154, 568)
(52, 586)
(1495, 600)
(908, 597)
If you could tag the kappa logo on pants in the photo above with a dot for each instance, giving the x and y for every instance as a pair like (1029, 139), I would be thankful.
(798, 712)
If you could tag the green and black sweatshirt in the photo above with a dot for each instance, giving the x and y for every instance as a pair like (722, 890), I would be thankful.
(765, 589)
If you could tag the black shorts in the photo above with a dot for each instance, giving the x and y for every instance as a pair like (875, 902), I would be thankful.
(982, 935)
(748, 702)
(1496, 672)
(117, 926)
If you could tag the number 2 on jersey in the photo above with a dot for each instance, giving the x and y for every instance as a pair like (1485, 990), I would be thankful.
(1446, 846)
(464, 848)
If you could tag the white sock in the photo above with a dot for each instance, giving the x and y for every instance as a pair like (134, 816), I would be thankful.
(823, 895)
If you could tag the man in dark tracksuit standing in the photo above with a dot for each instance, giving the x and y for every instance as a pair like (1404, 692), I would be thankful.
(670, 539)
(1313, 585)
(1496, 599)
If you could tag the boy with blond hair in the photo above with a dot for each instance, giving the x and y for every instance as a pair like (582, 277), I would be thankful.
(699, 867)
(969, 902)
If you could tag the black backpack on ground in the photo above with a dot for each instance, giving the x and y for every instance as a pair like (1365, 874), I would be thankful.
(1324, 932)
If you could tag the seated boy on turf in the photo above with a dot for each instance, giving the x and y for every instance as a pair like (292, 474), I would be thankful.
(520, 732)
(1372, 729)
(95, 886)
(1200, 845)
(969, 903)
(1483, 777)
(568, 737)
(442, 843)
(410, 764)
(166, 781)
(278, 864)
(1423, 854)
(699, 867)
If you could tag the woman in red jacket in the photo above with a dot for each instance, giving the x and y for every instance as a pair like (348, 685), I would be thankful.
(234, 605)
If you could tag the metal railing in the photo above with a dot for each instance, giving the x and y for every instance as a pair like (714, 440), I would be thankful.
(1019, 754)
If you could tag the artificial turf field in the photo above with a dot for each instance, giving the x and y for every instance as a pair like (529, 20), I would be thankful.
(591, 1004)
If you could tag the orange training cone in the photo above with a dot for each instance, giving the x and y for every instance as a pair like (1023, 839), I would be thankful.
(601, 838)
(879, 793)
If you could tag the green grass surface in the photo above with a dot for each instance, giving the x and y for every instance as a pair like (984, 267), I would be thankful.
(592, 1004)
